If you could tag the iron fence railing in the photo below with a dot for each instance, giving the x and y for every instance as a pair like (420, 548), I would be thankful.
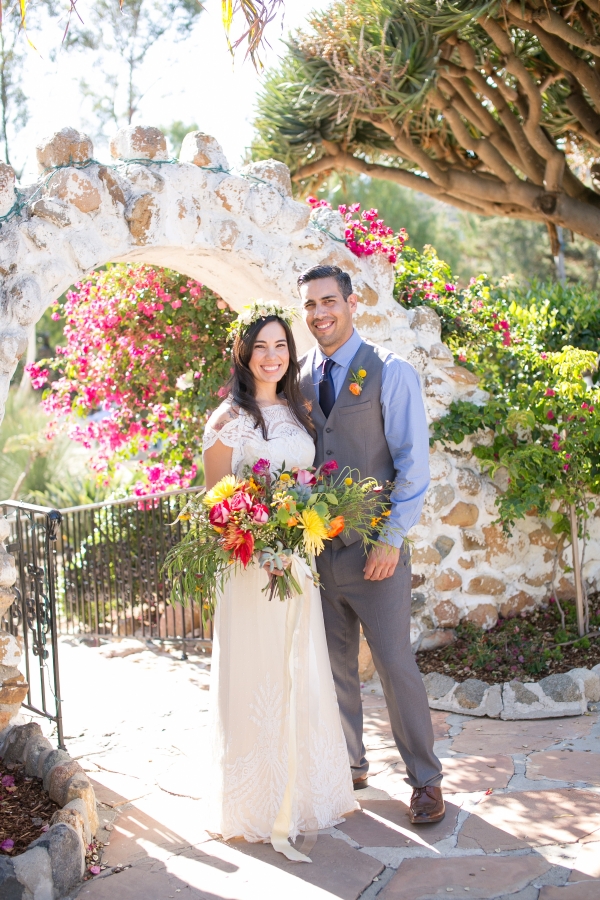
(96, 571)
(109, 574)
(33, 615)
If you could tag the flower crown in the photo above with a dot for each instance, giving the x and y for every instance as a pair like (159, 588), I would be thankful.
(260, 309)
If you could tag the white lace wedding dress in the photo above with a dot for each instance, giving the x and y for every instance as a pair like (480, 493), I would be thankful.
(280, 760)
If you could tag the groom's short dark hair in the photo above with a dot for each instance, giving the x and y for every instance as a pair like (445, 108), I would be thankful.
(315, 272)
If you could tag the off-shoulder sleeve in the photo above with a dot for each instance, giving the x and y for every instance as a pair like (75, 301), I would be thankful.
(222, 426)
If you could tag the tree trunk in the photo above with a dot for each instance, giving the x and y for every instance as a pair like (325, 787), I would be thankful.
(577, 571)
(559, 259)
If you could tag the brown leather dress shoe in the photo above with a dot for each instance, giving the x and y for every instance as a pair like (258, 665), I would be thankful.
(360, 783)
(426, 806)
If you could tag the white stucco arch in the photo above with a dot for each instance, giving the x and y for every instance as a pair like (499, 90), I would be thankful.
(245, 236)
(241, 234)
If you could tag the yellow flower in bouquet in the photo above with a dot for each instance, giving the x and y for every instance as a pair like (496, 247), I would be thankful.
(314, 531)
(222, 490)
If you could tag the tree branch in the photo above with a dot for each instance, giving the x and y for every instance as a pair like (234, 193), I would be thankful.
(502, 138)
(477, 194)
(409, 150)
(555, 24)
(468, 105)
(562, 55)
(555, 161)
(531, 163)
(346, 162)
(481, 147)
(594, 5)
(583, 112)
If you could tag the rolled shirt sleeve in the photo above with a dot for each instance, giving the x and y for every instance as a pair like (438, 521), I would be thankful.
(407, 435)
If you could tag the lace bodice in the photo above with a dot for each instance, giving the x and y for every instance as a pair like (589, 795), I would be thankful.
(287, 441)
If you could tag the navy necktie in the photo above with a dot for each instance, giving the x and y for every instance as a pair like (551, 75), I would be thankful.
(326, 388)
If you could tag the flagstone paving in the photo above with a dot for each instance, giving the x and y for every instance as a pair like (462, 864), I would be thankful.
(570, 892)
(565, 765)
(587, 863)
(523, 800)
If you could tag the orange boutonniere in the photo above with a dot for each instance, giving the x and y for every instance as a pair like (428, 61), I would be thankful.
(356, 385)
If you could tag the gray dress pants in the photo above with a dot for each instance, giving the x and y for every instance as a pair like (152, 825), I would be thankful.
(383, 609)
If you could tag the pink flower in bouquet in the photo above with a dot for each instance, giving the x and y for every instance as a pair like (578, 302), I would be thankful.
(219, 514)
(329, 467)
(240, 501)
(260, 513)
(305, 478)
(261, 467)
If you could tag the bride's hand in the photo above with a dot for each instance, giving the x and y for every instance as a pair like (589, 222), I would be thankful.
(287, 561)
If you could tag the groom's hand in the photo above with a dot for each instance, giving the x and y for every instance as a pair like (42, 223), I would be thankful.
(381, 562)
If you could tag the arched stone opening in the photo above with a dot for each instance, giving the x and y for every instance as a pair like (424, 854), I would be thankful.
(243, 235)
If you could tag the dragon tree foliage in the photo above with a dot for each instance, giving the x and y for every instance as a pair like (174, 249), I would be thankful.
(492, 106)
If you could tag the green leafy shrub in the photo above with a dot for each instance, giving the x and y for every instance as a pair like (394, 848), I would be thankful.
(547, 439)
(499, 331)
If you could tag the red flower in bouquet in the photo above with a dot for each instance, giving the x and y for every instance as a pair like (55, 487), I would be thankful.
(260, 513)
(219, 514)
(241, 501)
(329, 467)
(305, 478)
(240, 543)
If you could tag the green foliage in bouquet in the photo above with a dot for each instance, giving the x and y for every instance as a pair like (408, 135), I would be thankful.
(271, 516)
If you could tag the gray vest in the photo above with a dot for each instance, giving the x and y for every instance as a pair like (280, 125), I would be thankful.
(354, 433)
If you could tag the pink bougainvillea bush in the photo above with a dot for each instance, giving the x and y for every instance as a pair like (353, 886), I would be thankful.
(144, 358)
(366, 234)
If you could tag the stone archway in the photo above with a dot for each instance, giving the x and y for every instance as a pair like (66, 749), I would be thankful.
(245, 236)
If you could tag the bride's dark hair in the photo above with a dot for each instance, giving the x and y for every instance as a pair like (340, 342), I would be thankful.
(242, 387)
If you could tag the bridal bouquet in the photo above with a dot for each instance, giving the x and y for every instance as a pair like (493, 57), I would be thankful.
(268, 517)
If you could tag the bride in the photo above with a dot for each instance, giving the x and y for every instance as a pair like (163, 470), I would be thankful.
(280, 759)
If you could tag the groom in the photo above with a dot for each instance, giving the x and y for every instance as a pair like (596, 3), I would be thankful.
(382, 432)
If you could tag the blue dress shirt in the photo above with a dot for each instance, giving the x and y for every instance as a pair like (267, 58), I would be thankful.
(405, 428)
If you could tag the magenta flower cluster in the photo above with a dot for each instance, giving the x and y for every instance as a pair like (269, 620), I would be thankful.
(503, 326)
(367, 234)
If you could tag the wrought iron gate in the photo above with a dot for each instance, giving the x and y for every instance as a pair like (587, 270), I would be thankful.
(93, 571)
(33, 615)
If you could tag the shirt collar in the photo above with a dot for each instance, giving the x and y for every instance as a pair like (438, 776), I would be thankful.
(344, 355)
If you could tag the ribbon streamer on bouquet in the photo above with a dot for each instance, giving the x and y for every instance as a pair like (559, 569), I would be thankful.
(281, 827)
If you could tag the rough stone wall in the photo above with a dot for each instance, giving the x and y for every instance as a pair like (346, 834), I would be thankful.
(245, 236)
